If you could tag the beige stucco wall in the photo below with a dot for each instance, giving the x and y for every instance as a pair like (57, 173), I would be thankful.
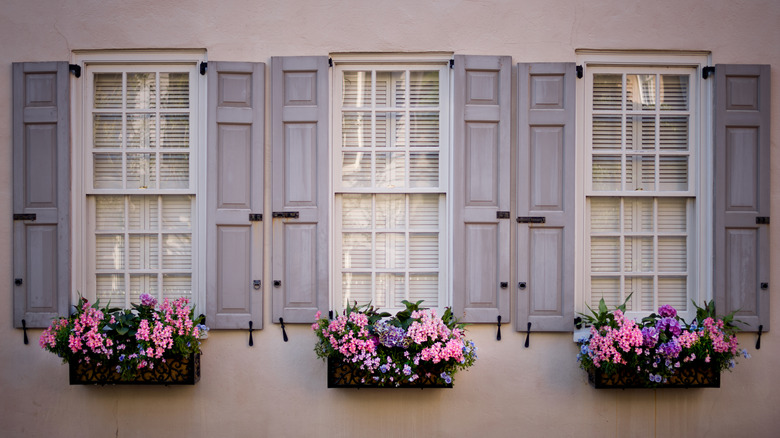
(277, 389)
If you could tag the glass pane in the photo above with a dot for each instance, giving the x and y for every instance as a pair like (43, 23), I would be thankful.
(424, 129)
(143, 284)
(356, 169)
(638, 214)
(423, 287)
(175, 130)
(640, 92)
(647, 168)
(672, 215)
(177, 251)
(673, 173)
(108, 90)
(390, 211)
(673, 291)
(174, 90)
(606, 172)
(356, 129)
(640, 132)
(109, 213)
(390, 288)
(606, 132)
(356, 287)
(605, 254)
(390, 129)
(390, 169)
(424, 169)
(390, 89)
(175, 171)
(109, 251)
(356, 250)
(177, 286)
(143, 213)
(607, 288)
(357, 89)
(424, 211)
(604, 215)
(110, 289)
(672, 254)
(424, 88)
(356, 211)
(638, 254)
(141, 171)
(107, 130)
(141, 131)
(107, 171)
(424, 250)
(674, 133)
(141, 90)
(607, 91)
(390, 251)
(144, 251)
(674, 92)
(177, 212)
(642, 290)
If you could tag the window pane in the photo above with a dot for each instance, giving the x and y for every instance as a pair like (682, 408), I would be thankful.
(607, 288)
(672, 215)
(391, 89)
(174, 90)
(144, 251)
(424, 169)
(673, 173)
(423, 250)
(107, 130)
(638, 254)
(605, 254)
(424, 88)
(141, 90)
(674, 92)
(141, 131)
(674, 133)
(605, 214)
(109, 251)
(177, 212)
(356, 211)
(390, 129)
(141, 171)
(356, 250)
(357, 89)
(175, 130)
(390, 211)
(672, 254)
(638, 214)
(143, 284)
(642, 290)
(640, 92)
(673, 291)
(143, 213)
(110, 289)
(424, 211)
(177, 251)
(423, 287)
(424, 129)
(607, 91)
(390, 169)
(390, 251)
(606, 172)
(108, 90)
(390, 288)
(356, 169)
(356, 129)
(177, 286)
(640, 132)
(107, 171)
(606, 132)
(109, 213)
(356, 287)
(175, 171)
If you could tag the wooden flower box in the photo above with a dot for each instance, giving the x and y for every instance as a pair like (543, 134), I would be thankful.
(687, 376)
(349, 375)
(175, 371)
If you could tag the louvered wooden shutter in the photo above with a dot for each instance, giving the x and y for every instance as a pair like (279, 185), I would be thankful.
(545, 189)
(741, 282)
(41, 181)
(480, 188)
(236, 134)
(300, 187)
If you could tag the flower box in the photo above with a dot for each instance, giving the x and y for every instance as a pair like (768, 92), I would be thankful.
(177, 370)
(349, 375)
(687, 376)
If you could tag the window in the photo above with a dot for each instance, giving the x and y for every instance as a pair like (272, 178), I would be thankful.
(390, 154)
(140, 147)
(643, 221)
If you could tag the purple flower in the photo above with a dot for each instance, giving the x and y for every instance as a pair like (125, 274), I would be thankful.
(148, 300)
(670, 324)
(667, 311)
(650, 336)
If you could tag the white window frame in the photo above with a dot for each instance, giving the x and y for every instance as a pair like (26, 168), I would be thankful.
(393, 62)
(700, 165)
(81, 180)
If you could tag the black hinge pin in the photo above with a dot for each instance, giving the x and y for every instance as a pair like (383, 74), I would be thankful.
(498, 334)
(707, 71)
(579, 71)
(758, 342)
(284, 332)
(204, 66)
(75, 69)
(251, 341)
(528, 336)
(24, 329)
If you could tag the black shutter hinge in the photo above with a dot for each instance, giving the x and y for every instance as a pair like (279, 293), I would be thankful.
(578, 323)
(498, 334)
(758, 342)
(707, 71)
(27, 341)
(330, 62)
(531, 220)
(579, 71)
(762, 220)
(255, 217)
(284, 332)
(25, 217)
(330, 315)
(203, 67)
(251, 341)
(528, 336)
(286, 214)
(75, 69)
(452, 63)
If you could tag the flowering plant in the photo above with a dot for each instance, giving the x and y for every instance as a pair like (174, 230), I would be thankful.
(413, 344)
(659, 345)
(129, 339)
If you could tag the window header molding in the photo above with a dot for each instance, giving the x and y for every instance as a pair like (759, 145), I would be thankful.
(182, 56)
(391, 58)
(661, 58)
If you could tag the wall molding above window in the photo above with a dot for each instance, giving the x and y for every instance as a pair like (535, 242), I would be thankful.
(391, 58)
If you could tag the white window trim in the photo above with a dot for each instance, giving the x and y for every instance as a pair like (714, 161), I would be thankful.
(703, 257)
(79, 189)
(386, 61)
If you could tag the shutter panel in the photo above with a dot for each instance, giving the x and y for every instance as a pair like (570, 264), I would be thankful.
(482, 110)
(545, 188)
(742, 193)
(236, 138)
(300, 191)
(41, 179)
